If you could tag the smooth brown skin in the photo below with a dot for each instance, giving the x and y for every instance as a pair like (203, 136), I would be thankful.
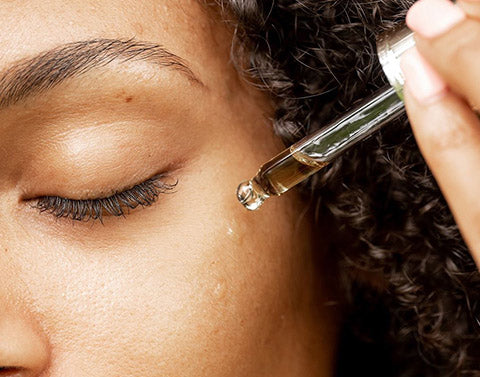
(192, 286)
(446, 128)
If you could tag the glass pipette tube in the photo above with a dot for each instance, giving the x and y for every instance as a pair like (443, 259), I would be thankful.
(314, 152)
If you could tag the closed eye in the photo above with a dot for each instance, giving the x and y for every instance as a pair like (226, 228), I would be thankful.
(119, 204)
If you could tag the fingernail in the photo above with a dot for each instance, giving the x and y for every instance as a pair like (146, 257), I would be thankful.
(431, 18)
(424, 83)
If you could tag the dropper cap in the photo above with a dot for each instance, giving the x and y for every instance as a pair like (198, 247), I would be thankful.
(390, 47)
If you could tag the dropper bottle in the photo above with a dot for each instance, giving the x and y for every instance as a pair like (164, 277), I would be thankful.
(312, 153)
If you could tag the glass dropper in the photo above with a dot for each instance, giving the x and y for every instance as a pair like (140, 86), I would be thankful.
(314, 152)
(306, 157)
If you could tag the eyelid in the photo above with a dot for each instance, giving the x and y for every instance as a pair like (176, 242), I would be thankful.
(143, 194)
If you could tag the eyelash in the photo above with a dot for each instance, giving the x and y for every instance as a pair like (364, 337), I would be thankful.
(143, 194)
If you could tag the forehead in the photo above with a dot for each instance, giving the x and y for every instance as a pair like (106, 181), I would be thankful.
(28, 27)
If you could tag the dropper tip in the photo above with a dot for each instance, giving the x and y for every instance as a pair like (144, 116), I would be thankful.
(249, 197)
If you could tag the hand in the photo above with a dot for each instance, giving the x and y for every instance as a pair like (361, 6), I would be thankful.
(442, 86)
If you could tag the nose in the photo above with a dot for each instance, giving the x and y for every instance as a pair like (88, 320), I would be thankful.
(23, 351)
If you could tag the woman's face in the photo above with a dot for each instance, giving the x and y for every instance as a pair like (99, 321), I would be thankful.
(97, 97)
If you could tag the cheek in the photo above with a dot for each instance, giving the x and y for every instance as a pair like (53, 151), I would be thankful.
(198, 292)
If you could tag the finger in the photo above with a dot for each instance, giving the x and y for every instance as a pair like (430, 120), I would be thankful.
(470, 7)
(450, 41)
(448, 134)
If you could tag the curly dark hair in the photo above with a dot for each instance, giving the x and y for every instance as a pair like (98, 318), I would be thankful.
(411, 285)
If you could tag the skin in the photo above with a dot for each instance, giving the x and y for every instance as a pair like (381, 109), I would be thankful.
(445, 126)
(194, 285)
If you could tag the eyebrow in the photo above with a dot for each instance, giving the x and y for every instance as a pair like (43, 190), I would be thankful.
(35, 75)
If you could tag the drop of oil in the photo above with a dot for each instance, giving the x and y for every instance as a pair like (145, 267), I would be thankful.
(250, 198)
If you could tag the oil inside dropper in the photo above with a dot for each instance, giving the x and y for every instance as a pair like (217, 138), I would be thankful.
(315, 151)
(278, 175)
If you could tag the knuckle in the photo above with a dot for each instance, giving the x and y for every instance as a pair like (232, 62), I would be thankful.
(462, 44)
(461, 53)
(447, 135)
(464, 56)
